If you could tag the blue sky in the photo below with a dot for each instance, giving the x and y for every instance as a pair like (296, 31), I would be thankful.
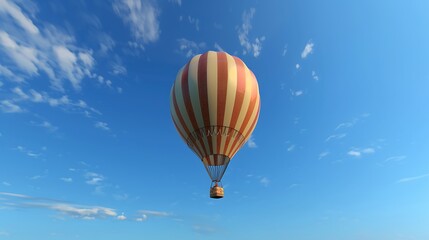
(88, 149)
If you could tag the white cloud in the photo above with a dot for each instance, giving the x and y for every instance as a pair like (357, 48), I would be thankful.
(194, 21)
(8, 194)
(354, 153)
(347, 124)
(145, 214)
(297, 66)
(284, 50)
(395, 158)
(291, 148)
(34, 96)
(27, 152)
(18, 91)
(178, 2)
(218, 47)
(15, 12)
(142, 218)
(335, 136)
(25, 57)
(9, 75)
(323, 154)
(8, 106)
(251, 142)
(296, 93)
(359, 152)
(142, 16)
(203, 229)
(40, 50)
(264, 181)
(118, 69)
(410, 179)
(102, 125)
(106, 43)
(67, 180)
(368, 150)
(74, 68)
(190, 48)
(84, 212)
(308, 49)
(121, 217)
(76, 211)
(7, 184)
(48, 126)
(243, 32)
(93, 178)
(314, 75)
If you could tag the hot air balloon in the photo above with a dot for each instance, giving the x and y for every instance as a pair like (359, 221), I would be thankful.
(215, 106)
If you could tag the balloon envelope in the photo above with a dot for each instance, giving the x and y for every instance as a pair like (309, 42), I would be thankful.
(215, 106)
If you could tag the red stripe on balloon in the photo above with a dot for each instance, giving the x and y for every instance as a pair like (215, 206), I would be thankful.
(203, 95)
(188, 104)
(182, 122)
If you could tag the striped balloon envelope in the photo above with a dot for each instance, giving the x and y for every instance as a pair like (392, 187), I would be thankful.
(215, 105)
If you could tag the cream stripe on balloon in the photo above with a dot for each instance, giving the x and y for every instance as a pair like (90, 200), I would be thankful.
(194, 94)
(245, 105)
(230, 95)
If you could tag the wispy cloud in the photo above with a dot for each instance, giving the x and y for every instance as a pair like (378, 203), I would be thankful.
(45, 124)
(251, 142)
(335, 137)
(72, 210)
(93, 178)
(395, 158)
(66, 179)
(284, 50)
(7, 184)
(102, 125)
(27, 152)
(33, 96)
(178, 2)
(410, 179)
(264, 181)
(296, 93)
(308, 49)
(15, 12)
(190, 48)
(297, 66)
(141, 16)
(41, 50)
(314, 76)
(203, 229)
(218, 47)
(144, 215)
(121, 217)
(254, 47)
(195, 22)
(8, 106)
(351, 123)
(291, 147)
(155, 213)
(323, 154)
(356, 152)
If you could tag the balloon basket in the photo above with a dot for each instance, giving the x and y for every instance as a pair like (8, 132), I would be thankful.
(216, 191)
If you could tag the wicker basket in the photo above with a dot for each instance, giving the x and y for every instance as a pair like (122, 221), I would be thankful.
(216, 192)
